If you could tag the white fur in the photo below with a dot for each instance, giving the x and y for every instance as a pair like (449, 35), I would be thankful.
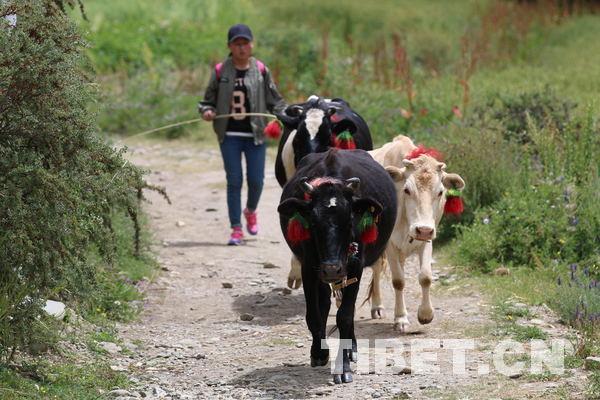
(287, 156)
(314, 118)
(332, 202)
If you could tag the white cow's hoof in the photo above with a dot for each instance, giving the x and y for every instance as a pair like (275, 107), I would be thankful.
(425, 315)
(377, 312)
(295, 275)
(294, 283)
(401, 324)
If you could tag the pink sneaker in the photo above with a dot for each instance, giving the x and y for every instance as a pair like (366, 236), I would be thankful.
(237, 236)
(251, 221)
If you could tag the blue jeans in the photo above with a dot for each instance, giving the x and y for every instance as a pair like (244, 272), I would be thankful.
(231, 150)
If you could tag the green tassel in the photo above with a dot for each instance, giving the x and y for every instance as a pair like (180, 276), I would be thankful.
(366, 221)
(453, 193)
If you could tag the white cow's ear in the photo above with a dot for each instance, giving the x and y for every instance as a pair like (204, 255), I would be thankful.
(453, 181)
(409, 164)
(397, 174)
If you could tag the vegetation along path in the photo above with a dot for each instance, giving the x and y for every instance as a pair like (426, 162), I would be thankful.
(220, 322)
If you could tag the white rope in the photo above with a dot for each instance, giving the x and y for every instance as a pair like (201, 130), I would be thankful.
(191, 121)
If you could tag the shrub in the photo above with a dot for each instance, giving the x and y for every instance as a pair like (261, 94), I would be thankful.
(58, 182)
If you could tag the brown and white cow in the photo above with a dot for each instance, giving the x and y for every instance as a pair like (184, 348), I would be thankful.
(421, 184)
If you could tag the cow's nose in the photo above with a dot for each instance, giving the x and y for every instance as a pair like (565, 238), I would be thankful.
(424, 231)
(331, 272)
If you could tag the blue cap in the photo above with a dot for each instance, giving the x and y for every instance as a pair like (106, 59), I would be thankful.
(239, 31)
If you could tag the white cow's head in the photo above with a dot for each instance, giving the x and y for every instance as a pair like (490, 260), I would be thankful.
(421, 186)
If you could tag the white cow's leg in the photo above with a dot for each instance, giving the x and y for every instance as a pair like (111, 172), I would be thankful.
(396, 263)
(376, 302)
(295, 275)
(425, 312)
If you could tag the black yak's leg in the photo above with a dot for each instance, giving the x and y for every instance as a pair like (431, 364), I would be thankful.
(345, 324)
(311, 284)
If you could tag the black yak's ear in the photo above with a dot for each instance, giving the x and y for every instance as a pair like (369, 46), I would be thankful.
(294, 110)
(292, 205)
(289, 122)
(360, 205)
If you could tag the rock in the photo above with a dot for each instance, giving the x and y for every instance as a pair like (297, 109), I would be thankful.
(210, 209)
(536, 321)
(268, 265)
(180, 224)
(119, 392)
(502, 271)
(109, 347)
(375, 395)
(246, 317)
(158, 391)
(592, 363)
(516, 375)
(200, 356)
(118, 368)
(400, 394)
(227, 285)
(130, 346)
(55, 309)
(405, 371)
(286, 291)
(299, 345)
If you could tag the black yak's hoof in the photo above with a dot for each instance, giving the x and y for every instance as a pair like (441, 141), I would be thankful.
(318, 362)
(346, 377)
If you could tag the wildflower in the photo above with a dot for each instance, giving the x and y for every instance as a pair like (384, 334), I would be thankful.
(573, 267)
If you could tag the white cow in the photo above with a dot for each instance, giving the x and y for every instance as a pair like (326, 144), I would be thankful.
(421, 185)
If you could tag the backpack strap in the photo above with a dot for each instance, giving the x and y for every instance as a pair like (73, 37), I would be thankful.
(218, 69)
(261, 67)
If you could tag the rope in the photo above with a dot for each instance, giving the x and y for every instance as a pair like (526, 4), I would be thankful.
(191, 121)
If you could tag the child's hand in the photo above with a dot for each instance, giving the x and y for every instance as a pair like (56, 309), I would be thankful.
(208, 115)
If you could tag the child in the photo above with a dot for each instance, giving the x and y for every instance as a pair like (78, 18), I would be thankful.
(241, 84)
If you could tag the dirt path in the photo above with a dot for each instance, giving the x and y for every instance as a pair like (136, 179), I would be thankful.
(190, 342)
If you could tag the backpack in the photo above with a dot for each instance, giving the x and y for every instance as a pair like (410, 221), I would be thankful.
(259, 64)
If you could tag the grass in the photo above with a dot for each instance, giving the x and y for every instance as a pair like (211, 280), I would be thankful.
(59, 374)
(60, 380)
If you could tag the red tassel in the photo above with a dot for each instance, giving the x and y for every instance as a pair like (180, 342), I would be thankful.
(369, 235)
(273, 129)
(419, 151)
(344, 141)
(297, 231)
(454, 205)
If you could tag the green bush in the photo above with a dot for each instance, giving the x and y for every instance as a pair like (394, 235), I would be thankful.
(59, 183)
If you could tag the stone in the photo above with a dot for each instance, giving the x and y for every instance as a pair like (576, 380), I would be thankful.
(516, 375)
(180, 224)
(375, 395)
(286, 291)
(592, 363)
(158, 391)
(502, 271)
(268, 265)
(227, 285)
(109, 347)
(118, 368)
(119, 392)
(55, 309)
(246, 317)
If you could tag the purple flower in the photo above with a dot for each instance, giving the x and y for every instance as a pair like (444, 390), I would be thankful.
(573, 267)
